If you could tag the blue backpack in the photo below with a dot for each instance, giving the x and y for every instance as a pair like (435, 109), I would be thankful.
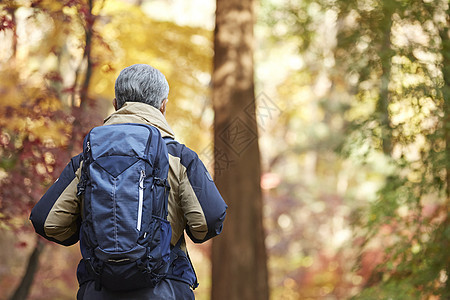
(125, 235)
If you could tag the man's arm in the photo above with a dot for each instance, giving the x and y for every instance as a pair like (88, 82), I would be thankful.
(204, 208)
(56, 216)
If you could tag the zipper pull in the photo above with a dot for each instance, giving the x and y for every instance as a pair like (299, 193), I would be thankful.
(141, 179)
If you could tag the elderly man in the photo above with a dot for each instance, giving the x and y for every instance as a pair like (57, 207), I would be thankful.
(194, 203)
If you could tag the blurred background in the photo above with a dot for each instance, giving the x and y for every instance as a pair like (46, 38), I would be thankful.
(353, 111)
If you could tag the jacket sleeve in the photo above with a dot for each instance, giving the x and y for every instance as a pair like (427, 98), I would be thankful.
(203, 206)
(56, 216)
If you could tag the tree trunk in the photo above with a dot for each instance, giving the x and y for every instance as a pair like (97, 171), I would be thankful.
(90, 20)
(24, 287)
(444, 34)
(239, 268)
(81, 123)
(445, 50)
(386, 55)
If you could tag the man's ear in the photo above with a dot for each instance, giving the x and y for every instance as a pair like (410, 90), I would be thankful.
(115, 103)
(162, 109)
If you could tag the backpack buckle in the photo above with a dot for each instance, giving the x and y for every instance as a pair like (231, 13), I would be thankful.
(161, 182)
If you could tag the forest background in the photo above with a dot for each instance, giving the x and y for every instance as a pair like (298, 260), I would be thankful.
(352, 104)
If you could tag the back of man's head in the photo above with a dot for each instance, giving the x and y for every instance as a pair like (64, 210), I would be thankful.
(141, 83)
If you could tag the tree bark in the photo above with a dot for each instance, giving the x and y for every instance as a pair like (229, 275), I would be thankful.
(81, 123)
(386, 55)
(444, 34)
(22, 291)
(445, 50)
(89, 31)
(239, 267)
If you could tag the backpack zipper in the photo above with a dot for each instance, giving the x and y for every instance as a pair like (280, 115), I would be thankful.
(141, 200)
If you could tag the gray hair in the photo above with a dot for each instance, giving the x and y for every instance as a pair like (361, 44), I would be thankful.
(141, 83)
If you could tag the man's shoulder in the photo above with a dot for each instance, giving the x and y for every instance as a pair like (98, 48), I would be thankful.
(75, 162)
(77, 158)
(184, 153)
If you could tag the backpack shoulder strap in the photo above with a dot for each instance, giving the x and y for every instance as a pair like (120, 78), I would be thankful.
(169, 140)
